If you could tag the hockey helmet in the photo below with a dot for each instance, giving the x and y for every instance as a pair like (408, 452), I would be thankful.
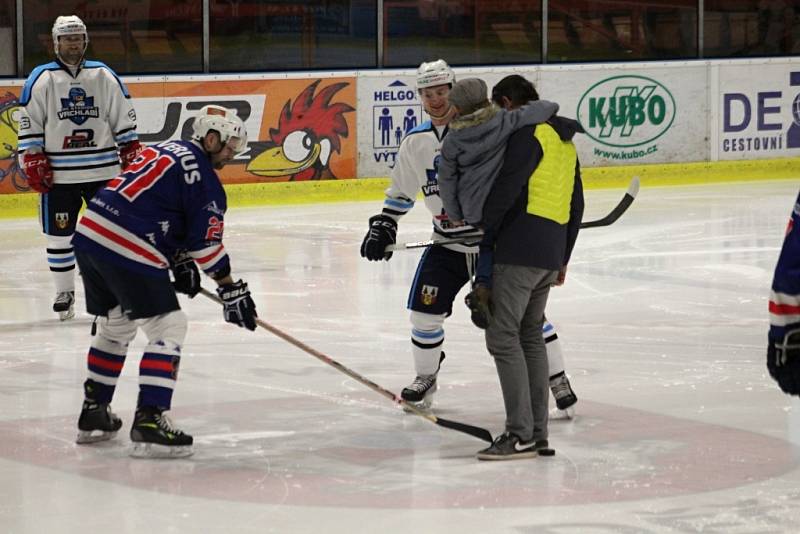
(435, 73)
(69, 25)
(223, 121)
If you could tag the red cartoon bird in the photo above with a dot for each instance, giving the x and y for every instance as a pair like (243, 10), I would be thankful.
(308, 132)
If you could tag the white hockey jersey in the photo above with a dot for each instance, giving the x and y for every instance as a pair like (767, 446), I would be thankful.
(415, 170)
(77, 121)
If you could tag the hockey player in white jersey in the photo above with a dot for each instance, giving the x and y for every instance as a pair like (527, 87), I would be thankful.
(442, 270)
(77, 129)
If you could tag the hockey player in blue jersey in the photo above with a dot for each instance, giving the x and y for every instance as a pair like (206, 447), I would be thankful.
(783, 347)
(164, 213)
(77, 127)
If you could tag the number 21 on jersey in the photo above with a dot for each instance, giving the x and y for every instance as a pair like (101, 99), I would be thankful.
(142, 174)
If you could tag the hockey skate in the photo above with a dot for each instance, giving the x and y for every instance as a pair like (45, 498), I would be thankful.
(64, 305)
(420, 392)
(564, 396)
(154, 436)
(97, 423)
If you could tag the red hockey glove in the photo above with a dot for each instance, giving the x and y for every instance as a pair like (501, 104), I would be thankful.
(38, 171)
(129, 152)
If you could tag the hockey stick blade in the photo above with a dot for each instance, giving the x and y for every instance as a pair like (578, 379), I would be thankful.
(611, 218)
(476, 431)
(622, 207)
(480, 433)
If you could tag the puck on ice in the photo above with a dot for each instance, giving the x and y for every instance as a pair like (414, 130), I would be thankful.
(547, 452)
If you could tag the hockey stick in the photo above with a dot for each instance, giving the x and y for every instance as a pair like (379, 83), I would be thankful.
(480, 433)
(611, 218)
(622, 207)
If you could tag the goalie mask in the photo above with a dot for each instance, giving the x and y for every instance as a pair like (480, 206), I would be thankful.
(435, 73)
(223, 121)
(69, 25)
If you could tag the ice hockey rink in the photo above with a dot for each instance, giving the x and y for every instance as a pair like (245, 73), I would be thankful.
(663, 321)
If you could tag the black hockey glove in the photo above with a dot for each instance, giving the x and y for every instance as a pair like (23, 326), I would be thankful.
(479, 302)
(238, 307)
(186, 274)
(382, 233)
(783, 362)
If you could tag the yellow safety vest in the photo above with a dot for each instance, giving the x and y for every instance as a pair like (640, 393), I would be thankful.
(551, 183)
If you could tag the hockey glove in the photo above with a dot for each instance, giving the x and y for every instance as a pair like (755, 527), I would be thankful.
(783, 362)
(38, 171)
(187, 275)
(382, 233)
(238, 307)
(129, 152)
(479, 302)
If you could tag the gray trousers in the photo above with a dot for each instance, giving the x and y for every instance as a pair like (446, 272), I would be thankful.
(514, 339)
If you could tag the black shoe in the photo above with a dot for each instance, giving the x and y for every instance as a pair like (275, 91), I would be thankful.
(508, 446)
(154, 436)
(97, 423)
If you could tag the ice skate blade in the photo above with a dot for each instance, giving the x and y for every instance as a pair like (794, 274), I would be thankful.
(424, 406)
(154, 450)
(89, 436)
(66, 315)
(562, 415)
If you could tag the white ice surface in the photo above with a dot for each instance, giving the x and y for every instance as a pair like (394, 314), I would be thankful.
(663, 321)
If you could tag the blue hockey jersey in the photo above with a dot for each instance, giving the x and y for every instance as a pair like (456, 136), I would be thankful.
(784, 300)
(169, 199)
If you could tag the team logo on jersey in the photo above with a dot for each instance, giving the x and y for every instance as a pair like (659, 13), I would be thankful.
(431, 186)
(78, 107)
(62, 220)
(428, 295)
(79, 139)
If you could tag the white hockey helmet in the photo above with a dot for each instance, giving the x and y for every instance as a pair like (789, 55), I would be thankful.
(69, 25)
(435, 73)
(223, 121)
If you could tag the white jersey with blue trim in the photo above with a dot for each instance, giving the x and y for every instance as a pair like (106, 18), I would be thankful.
(77, 121)
(415, 170)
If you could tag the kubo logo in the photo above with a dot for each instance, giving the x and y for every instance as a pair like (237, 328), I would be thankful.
(627, 111)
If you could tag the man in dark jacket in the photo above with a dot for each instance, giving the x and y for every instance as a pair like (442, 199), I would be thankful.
(531, 220)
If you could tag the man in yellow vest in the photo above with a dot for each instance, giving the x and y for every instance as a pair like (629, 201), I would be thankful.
(472, 155)
(530, 219)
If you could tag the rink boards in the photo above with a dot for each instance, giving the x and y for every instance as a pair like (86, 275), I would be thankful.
(640, 118)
